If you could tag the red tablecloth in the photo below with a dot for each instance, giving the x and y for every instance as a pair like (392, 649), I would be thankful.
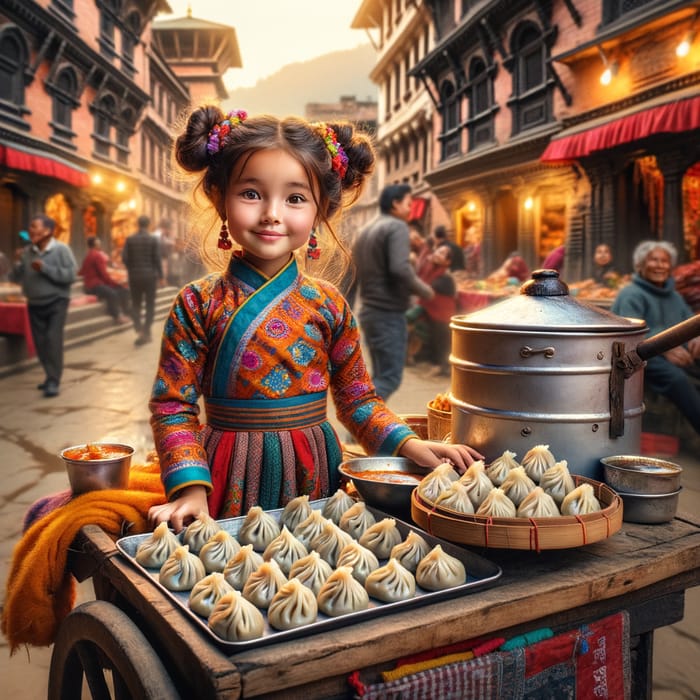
(14, 320)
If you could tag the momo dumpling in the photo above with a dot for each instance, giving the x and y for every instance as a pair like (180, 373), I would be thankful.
(437, 481)
(580, 501)
(391, 582)
(497, 505)
(259, 529)
(307, 529)
(311, 570)
(235, 619)
(293, 605)
(439, 570)
(336, 505)
(538, 504)
(181, 570)
(199, 531)
(244, 562)
(342, 593)
(154, 550)
(218, 550)
(205, 594)
(517, 485)
(263, 583)
(381, 537)
(477, 482)
(362, 560)
(498, 470)
(536, 462)
(557, 481)
(456, 498)
(356, 519)
(409, 552)
(330, 541)
(295, 511)
(285, 549)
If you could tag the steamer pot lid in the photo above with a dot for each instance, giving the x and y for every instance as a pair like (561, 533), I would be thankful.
(544, 304)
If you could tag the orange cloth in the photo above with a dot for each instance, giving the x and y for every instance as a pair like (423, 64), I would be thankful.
(40, 592)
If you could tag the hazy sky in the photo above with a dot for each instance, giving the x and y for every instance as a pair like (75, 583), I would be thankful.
(273, 33)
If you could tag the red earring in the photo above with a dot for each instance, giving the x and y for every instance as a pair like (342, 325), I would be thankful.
(312, 252)
(224, 241)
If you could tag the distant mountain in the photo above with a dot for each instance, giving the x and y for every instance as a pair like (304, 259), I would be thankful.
(322, 79)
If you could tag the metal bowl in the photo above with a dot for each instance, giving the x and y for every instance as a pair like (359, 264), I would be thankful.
(649, 508)
(390, 484)
(88, 472)
(644, 475)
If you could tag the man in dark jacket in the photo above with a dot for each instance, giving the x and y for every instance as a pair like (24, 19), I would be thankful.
(385, 281)
(46, 269)
(142, 259)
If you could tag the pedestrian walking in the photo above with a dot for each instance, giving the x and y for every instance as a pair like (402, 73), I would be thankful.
(46, 269)
(262, 341)
(98, 281)
(386, 280)
(143, 262)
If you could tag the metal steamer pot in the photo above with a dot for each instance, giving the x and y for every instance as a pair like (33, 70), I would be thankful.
(545, 368)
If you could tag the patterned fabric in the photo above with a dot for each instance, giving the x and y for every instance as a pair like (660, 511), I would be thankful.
(242, 337)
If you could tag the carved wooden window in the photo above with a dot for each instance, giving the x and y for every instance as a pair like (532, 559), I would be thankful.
(102, 135)
(64, 92)
(450, 136)
(481, 112)
(13, 58)
(531, 102)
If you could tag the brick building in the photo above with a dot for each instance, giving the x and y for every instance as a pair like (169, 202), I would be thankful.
(88, 104)
(525, 148)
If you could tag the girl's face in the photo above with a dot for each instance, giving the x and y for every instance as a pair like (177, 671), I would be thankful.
(656, 268)
(602, 255)
(270, 209)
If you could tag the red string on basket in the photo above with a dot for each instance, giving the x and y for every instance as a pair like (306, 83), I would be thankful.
(534, 530)
(583, 528)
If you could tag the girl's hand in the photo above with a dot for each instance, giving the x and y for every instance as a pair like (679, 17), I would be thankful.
(428, 453)
(190, 502)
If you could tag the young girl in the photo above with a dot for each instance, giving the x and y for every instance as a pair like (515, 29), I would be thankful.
(263, 342)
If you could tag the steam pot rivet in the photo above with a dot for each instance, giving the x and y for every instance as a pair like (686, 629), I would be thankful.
(595, 427)
(600, 355)
(525, 432)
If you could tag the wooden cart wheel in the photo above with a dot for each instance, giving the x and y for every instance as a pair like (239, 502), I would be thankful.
(99, 643)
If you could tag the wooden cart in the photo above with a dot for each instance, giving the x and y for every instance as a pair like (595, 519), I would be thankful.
(153, 650)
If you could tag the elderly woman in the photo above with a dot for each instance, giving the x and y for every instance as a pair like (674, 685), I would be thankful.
(652, 296)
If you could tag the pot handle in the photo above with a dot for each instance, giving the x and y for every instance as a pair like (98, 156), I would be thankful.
(670, 338)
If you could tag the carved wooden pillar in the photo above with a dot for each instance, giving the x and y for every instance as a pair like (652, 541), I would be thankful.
(488, 235)
(672, 164)
(602, 226)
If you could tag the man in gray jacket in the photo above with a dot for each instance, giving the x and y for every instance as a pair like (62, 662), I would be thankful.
(46, 269)
(142, 259)
(385, 281)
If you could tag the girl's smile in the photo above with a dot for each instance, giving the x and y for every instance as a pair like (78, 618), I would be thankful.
(270, 209)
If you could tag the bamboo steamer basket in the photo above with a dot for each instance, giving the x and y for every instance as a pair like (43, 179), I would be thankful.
(439, 424)
(534, 534)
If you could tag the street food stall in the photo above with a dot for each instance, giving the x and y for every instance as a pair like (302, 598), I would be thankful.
(574, 595)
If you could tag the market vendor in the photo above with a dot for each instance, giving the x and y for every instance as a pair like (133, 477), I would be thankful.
(652, 296)
(262, 341)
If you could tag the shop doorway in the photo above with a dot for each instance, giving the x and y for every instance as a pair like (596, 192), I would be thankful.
(505, 226)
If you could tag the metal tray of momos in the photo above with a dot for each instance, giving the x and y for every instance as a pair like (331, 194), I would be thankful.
(480, 574)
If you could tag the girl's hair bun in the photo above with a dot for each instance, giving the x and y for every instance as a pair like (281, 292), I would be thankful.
(191, 146)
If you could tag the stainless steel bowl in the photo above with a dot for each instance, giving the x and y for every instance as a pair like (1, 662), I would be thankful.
(93, 474)
(391, 485)
(649, 508)
(639, 474)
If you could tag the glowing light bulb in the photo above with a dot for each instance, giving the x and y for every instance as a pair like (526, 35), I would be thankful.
(529, 203)
(683, 49)
(606, 77)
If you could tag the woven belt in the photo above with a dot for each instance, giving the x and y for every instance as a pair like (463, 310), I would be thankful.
(266, 414)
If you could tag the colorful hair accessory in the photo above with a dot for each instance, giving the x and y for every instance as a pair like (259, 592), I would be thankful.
(339, 159)
(215, 140)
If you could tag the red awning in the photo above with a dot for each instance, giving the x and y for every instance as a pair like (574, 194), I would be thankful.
(418, 206)
(42, 165)
(669, 118)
